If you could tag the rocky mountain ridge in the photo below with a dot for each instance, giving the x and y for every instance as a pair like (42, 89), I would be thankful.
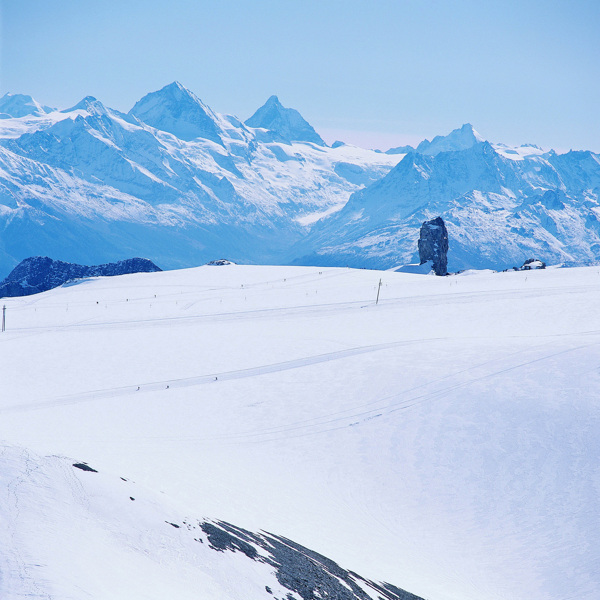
(172, 180)
(499, 208)
(180, 183)
(40, 273)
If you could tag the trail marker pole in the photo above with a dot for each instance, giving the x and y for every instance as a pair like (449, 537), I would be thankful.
(378, 290)
(4, 318)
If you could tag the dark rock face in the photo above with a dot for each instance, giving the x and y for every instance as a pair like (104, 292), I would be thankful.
(40, 273)
(300, 570)
(433, 245)
(531, 264)
(221, 262)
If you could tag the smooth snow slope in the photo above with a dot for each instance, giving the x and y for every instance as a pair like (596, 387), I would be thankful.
(70, 532)
(444, 440)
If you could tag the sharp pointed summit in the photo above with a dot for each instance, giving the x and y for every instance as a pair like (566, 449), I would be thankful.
(89, 104)
(21, 105)
(177, 110)
(287, 123)
(459, 139)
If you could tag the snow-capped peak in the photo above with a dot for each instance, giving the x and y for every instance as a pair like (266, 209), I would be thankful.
(179, 111)
(90, 105)
(287, 123)
(21, 105)
(458, 139)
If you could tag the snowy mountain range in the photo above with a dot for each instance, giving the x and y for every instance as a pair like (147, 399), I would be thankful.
(500, 205)
(181, 184)
(171, 180)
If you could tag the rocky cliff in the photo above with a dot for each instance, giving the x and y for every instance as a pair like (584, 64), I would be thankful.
(40, 273)
(433, 245)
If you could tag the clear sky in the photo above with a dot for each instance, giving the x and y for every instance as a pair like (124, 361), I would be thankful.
(377, 73)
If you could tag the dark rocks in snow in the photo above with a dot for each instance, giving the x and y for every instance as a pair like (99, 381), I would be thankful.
(40, 273)
(298, 569)
(221, 262)
(84, 467)
(433, 245)
(531, 264)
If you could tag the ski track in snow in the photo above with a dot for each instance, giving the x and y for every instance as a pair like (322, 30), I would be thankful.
(452, 425)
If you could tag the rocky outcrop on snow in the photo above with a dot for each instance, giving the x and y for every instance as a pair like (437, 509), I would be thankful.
(433, 245)
(499, 207)
(139, 532)
(299, 569)
(40, 273)
(220, 262)
(531, 264)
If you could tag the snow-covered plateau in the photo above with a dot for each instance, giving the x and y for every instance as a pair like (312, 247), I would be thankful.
(444, 440)
(176, 182)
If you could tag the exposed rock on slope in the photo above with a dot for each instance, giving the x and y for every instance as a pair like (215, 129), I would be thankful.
(40, 273)
(499, 208)
(89, 514)
(433, 245)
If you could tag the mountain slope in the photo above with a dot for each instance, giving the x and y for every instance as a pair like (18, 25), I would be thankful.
(499, 211)
(118, 539)
(287, 123)
(179, 183)
(130, 187)
(459, 139)
(177, 110)
(20, 105)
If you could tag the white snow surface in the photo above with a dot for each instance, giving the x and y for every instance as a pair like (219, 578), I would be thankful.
(445, 440)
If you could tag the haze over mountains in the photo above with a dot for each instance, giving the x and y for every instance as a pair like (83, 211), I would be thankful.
(176, 182)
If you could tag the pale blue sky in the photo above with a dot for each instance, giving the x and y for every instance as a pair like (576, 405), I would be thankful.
(373, 72)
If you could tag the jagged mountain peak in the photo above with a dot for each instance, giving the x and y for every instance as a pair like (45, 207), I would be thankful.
(459, 139)
(21, 105)
(273, 100)
(179, 111)
(400, 150)
(89, 104)
(287, 123)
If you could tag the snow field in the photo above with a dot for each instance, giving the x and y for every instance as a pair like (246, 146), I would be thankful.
(444, 440)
